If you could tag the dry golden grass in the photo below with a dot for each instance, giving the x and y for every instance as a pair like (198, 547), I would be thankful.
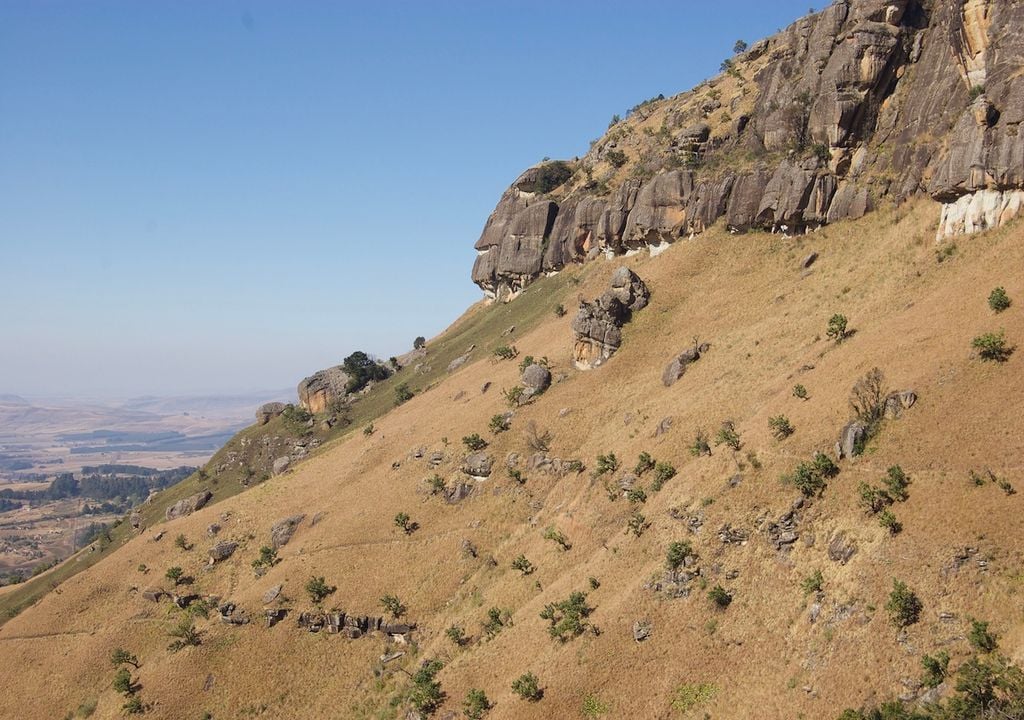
(913, 317)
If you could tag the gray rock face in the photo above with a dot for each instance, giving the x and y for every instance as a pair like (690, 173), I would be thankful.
(535, 380)
(282, 531)
(188, 505)
(322, 388)
(897, 402)
(597, 327)
(850, 439)
(864, 101)
(268, 411)
(272, 594)
(675, 369)
(222, 551)
(281, 464)
(478, 465)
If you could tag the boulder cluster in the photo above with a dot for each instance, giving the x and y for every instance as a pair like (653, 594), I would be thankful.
(597, 327)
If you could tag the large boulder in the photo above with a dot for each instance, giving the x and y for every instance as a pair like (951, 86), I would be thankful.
(851, 439)
(188, 505)
(675, 369)
(478, 465)
(322, 388)
(268, 411)
(535, 380)
(222, 551)
(597, 327)
(282, 531)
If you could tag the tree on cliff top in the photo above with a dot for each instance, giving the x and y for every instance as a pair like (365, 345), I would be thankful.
(362, 370)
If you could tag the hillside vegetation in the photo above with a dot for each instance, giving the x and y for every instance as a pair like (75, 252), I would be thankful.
(771, 626)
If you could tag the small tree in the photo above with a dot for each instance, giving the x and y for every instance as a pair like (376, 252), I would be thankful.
(700, 444)
(677, 554)
(476, 704)
(887, 520)
(527, 687)
(837, 328)
(637, 524)
(174, 574)
(419, 342)
(813, 583)
(998, 300)
(867, 398)
(523, 565)
(992, 346)
(568, 618)
(186, 634)
(606, 464)
(739, 47)
(120, 656)
(426, 693)
(403, 394)
(935, 669)
(896, 481)
(497, 619)
(318, 589)
(663, 472)
(404, 523)
(727, 435)
(636, 496)
(181, 542)
(267, 558)
(474, 442)
(644, 463)
(123, 681)
(499, 424)
(550, 533)
(780, 427)
(456, 634)
(133, 705)
(903, 606)
(436, 484)
(393, 605)
(720, 596)
(799, 391)
(982, 639)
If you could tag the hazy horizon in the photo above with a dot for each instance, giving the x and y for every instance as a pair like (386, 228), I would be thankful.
(205, 198)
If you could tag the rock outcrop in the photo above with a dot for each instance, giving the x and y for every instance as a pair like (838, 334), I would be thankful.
(597, 327)
(269, 411)
(865, 101)
(283, 530)
(322, 388)
(675, 369)
(188, 505)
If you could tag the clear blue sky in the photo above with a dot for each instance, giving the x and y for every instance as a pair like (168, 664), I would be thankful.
(226, 196)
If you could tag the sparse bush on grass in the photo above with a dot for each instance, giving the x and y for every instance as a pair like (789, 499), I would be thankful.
(318, 589)
(267, 558)
(575, 466)
(559, 310)
(637, 524)
(677, 553)
(513, 395)
(998, 300)
(616, 157)
(186, 634)
(903, 606)
(837, 328)
(120, 656)
(727, 435)
(946, 252)
(935, 668)
(663, 472)
(636, 495)
(720, 596)
(992, 346)
(496, 621)
(606, 464)
(813, 583)
(133, 705)
(527, 687)
(887, 520)
(644, 463)
(174, 574)
(567, 618)
(700, 444)
(405, 523)
(594, 707)
(123, 681)
(499, 424)
(505, 352)
(393, 605)
(474, 442)
(810, 477)
(780, 427)
(897, 481)
(296, 419)
(368, 430)
(981, 638)
(456, 634)
(476, 704)
(799, 391)
(872, 499)
(550, 533)
(426, 695)
(516, 476)
(181, 542)
(436, 484)
(687, 697)
(523, 565)
(593, 582)
(867, 399)
(403, 394)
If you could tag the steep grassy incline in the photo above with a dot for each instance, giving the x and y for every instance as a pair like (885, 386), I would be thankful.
(762, 656)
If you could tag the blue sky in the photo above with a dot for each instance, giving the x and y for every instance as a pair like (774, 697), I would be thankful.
(226, 196)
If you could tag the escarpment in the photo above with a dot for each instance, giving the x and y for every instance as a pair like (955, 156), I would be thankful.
(865, 102)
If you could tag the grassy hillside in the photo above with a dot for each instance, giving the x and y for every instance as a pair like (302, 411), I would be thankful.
(762, 656)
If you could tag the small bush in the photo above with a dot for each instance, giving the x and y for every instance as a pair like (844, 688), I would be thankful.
(505, 352)
(799, 391)
(975, 92)
(133, 706)
(527, 687)
(887, 520)
(537, 439)
(935, 669)
(644, 463)
(456, 634)
(593, 582)
(897, 481)
(513, 395)
(181, 542)
(550, 533)
(688, 697)
(267, 558)
(867, 399)
(426, 693)
(368, 430)
(780, 427)
(813, 583)
(903, 606)
(496, 621)
(992, 346)
(405, 523)
(499, 424)
(516, 476)
(998, 300)
(474, 442)
(523, 565)
(575, 466)
(436, 484)
(727, 435)
(739, 47)
(982, 639)
(677, 554)
(700, 444)
(568, 618)
(318, 589)
(810, 477)
(120, 656)
(186, 634)
(606, 464)
(873, 499)
(637, 524)
(123, 681)
(175, 574)
(403, 394)
(419, 342)
(837, 328)
(476, 704)
(636, 495)
(663, 472)
(594, 707)
(720, 597)
(393, 605)
(559, 310)
(617, 158)
(946, 252)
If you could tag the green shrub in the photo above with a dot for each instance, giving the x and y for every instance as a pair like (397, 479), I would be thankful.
(837, 328)
(873, 499)
(593, 582)
(975, 92)
(393, 605)
(267, 558)
(548, 176)
(727, 435)
(992, 346)
(720, 597)
(523, 565)
(887, 520)
(644, 463)
(362, 370)
(499, 424)
(368, 430)
(998, 300)
(700, 444)
(935, 668)
(799, 391)
(186, 634)
(181, 542)
(550, 533)
(616, 157)
(174, 574)
(903, 606)
(559, 310)
(527, 687)
(568, 618)
(606, 464)
(677, 553)
(810, 477)
(496, 621)
(981, 638)
(405, 523)
(637, 524)
(476, 704)
(636, 495)
(687, 697)
(516, 476)
(594, 707)
(663, 472)
(513, 395)
(426, 693)
(403, 394)
(456, 634)
(813, 583)
(318, 588)
(120, 656)
(946, 252)
(780, 427)
(505, 352)
(436, 484)
(123, 681)
(897, 481)
(133, 705)
(474, 442)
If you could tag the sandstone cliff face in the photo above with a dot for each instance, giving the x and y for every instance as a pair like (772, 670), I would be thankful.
(864, 102)
(321, 388)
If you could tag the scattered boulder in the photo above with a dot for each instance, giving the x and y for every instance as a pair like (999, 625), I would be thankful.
(222, 551)
(851, 439)
(840, 548)
(457, 492)
(478, 465)
(535, 380)
(809, 260)
(641, 630)
(322, 388)
(897, 402)
(272, 594)
(212, 529)
(675, 369)
(269, 411)
(281, 464)
(188, 505)
(282, 531)
(154, 594)
(663, 427)
(458, 362)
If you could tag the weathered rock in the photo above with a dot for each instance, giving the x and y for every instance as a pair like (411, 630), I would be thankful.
(535, 380)
(136, 520)
(851, 439)
(459, 491)
(188, 505)
(675, 369)
(597, 326)
(272, 594)
(268, 411)
(281, 532)
(808, 260)
(478, 465)
(641, 630)
(212, 529)
(154, 594)
(281, 464)
(322, 388)
(841, 549)
(222, 551)
(897, 402)
(458, 362)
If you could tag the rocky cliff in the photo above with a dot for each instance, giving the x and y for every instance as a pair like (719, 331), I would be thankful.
(862, 103)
